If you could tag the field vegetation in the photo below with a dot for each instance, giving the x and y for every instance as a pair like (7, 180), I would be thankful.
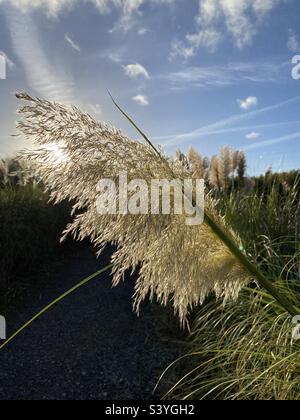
(241, 344)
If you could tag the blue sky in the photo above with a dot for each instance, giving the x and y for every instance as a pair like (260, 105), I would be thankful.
(192, 73)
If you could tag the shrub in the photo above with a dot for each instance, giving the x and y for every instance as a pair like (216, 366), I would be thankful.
(30, 232)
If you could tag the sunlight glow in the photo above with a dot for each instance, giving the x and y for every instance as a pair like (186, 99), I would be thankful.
(57, 153)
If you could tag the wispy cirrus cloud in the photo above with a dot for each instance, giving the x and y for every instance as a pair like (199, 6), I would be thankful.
(45, 78)
(51, 7)
(271, 142)
(240, 19)
(208, 38)
(228, 74)
(167, 140)
(226, 125)
(129, 10)
(293, 43)
(72, 43)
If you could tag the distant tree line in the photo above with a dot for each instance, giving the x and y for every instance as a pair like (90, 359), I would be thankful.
(282, 182)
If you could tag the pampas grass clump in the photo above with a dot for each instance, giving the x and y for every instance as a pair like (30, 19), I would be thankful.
(176, 262)
(242, 352)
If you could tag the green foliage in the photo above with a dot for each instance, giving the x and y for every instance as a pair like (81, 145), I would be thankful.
(241, 352)
(244, 350)
(11, 172)
(30, 232)
(268, 222)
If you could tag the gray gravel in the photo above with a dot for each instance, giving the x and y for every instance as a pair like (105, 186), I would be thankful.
(90, 346)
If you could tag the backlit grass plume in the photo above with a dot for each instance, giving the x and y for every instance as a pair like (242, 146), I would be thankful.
(176, 262)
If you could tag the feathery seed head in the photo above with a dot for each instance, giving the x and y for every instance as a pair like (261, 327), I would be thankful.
(176, 262)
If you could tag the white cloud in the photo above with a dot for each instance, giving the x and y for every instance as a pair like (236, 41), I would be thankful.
(96, 109)
(54, 7)
(205, 132)
(141, 100)
(142, 31)
(51, 7)
(253, 135)
(273, 141)
(228, 74)
(114, 55)
(128, 9)
(248, 103)
(179, 49)
(293, 42)
(208, 38)
(241, 18)
(225, 125)
(135, 70)
(48, 80)
(70, 41)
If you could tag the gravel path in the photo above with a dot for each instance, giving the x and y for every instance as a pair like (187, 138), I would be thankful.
(90, 346)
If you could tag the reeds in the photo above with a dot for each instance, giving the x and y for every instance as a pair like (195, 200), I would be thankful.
(12, 172)
(245, 350)
(242, 352)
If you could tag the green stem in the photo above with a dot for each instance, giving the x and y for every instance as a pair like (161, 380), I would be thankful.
(55, 302)
(252, 268)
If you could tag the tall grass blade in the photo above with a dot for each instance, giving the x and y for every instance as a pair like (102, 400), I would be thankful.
(55, 302)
